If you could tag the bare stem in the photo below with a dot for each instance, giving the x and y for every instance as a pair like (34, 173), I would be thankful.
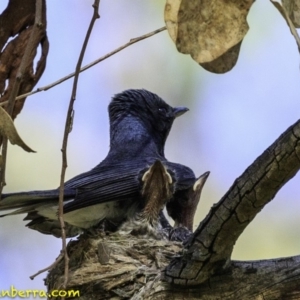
(68, 127)
(51, 85)
(52, 266)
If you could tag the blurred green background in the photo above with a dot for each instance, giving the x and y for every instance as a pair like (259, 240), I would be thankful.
(233, 118)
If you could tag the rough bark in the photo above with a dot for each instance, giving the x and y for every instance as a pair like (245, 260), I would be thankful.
(126, 267)
(122, 267)
(211, 246)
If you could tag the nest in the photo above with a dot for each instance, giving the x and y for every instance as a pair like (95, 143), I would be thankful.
(113, 266)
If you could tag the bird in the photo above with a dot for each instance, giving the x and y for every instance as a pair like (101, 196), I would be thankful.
(116, 189)
(182, 210)
(157, 189)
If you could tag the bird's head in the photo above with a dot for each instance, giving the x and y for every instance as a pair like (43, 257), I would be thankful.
(153, 112)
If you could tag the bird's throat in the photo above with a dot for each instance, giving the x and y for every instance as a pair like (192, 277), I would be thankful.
(132, 137)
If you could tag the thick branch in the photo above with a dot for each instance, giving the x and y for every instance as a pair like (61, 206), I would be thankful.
(127, 267)
(247, 280)
(209, 250)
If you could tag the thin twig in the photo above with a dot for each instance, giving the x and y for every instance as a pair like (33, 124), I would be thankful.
(68, 127)
(52, 266)
(51, 85)
(16, 86)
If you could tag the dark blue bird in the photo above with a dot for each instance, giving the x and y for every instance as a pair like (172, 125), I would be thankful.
(140, 122)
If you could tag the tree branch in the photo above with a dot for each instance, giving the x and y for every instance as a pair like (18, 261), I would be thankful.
(132, 270)
(204, 266)
(209, 250)
(68, 128)
(51, 85)
(271, 279)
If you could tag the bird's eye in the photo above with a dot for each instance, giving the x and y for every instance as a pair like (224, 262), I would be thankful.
(162, 110)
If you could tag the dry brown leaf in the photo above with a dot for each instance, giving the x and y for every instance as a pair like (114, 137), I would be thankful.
(225, 62)
(293, 9)
(211, 31)
(8, 129)
(284, 13)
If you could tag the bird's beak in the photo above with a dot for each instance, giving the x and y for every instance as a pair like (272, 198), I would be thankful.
(200, 181)
(180, 110)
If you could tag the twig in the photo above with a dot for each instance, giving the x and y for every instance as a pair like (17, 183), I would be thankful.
(51, 85)
(68, 128)
(53, 265)
(16, 86)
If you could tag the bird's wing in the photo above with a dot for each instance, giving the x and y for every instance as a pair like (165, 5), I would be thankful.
(102, 184)
(184, 177)
(119, 182)
(105, 184)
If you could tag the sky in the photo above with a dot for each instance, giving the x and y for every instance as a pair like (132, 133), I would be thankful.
(233, 118)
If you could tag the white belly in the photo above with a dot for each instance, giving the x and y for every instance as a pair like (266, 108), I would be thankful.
(91, 215)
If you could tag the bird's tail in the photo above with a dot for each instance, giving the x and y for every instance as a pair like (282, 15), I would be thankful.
(26, 202)
(41, 209)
